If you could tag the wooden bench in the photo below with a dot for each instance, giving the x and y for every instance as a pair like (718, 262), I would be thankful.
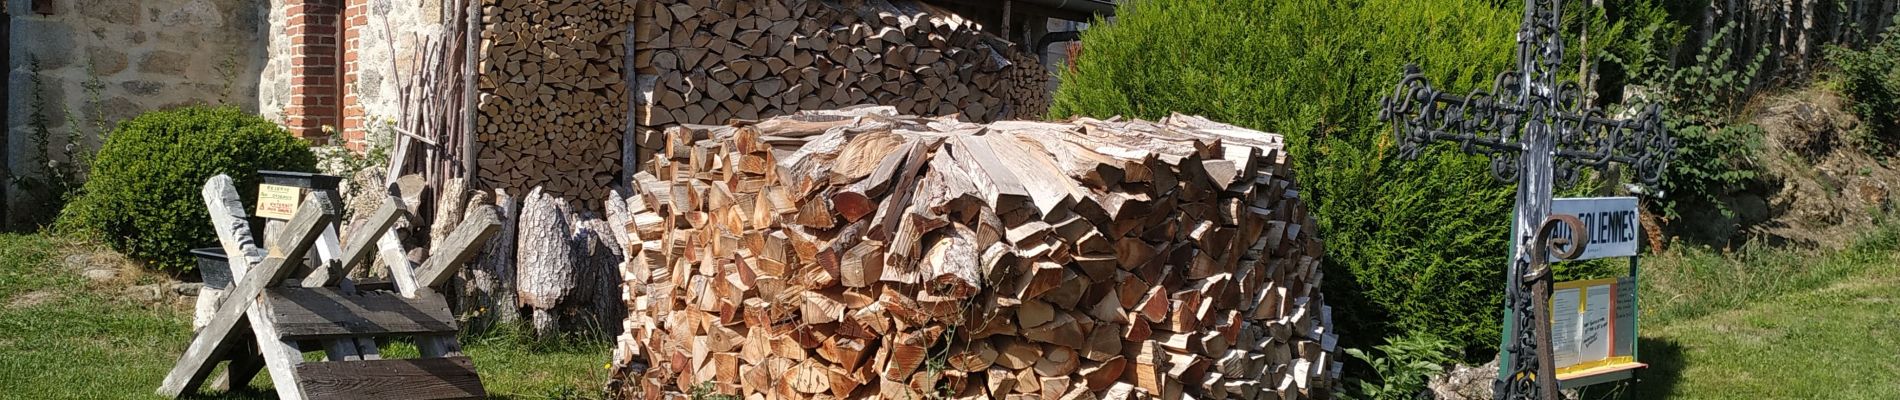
(270, 317)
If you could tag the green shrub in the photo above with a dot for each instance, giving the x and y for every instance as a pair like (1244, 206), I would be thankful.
(1412, 246)
(143, 196)
(1715, 151)
(1871, 80)
(1403, 365)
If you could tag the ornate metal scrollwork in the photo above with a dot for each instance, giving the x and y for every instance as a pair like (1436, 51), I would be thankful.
(1493, 123)
(1481, 124)
(1539, 132)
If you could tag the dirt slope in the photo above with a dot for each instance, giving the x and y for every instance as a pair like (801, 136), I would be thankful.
(1818, 187)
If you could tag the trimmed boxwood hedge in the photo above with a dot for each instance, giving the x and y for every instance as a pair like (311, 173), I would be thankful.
(142, 196)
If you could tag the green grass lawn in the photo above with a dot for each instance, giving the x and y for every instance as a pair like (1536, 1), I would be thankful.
(64, 338)
(1771, 324)
(1750, 324)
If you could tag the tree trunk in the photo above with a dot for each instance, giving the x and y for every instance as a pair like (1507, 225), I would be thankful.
(546, 266)
(493, 277)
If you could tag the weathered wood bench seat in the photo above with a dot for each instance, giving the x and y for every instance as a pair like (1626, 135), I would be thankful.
(418, 378)
(328, 313)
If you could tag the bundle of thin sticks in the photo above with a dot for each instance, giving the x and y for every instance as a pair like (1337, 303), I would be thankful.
(436, 121)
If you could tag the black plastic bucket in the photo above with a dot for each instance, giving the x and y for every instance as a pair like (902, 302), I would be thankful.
(300, 179)
(213, 266)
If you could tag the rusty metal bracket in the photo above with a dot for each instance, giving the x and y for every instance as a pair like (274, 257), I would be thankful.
(1538, 278)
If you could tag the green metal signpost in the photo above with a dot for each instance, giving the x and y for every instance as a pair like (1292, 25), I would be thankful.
(1537, 131)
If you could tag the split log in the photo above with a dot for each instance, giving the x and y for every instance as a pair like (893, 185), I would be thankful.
(492, 278)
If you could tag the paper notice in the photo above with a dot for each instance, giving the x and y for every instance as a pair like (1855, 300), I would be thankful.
(1564, 344)
(1594, 340)
(277, 202)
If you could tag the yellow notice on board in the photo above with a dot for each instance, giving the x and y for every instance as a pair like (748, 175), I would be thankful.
(276, 201)
(1582, 331)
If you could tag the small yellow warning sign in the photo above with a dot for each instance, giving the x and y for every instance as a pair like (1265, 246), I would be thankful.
(277, 201)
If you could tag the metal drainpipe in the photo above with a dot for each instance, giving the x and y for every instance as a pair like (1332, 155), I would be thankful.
(1042, 44)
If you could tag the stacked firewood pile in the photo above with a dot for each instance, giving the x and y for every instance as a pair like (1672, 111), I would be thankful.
(546, 68)
(861, 254)
(1028, 94)
(551, 73)
(708, 61)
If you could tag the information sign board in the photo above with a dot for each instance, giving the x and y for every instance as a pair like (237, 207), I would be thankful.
(1593, 326)
(1612, 222)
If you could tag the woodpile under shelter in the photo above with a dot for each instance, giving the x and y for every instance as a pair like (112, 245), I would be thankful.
(548, 67)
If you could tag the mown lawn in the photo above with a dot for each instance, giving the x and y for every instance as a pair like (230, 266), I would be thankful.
(64, 338)
(1750, 324)
(1771, 324)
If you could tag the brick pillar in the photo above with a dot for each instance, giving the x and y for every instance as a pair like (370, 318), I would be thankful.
(355, 17)
(314, 84)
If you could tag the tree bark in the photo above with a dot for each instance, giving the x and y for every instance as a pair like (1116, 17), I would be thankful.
(546, 270)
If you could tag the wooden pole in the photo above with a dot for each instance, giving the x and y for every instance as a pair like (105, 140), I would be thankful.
(629, 135)
(471, 47)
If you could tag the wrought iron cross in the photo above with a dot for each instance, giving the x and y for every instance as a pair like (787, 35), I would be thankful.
(1537, 131)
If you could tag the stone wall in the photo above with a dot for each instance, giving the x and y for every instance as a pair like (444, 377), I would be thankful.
(382, 38)
(139, 55)
(273, 82)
